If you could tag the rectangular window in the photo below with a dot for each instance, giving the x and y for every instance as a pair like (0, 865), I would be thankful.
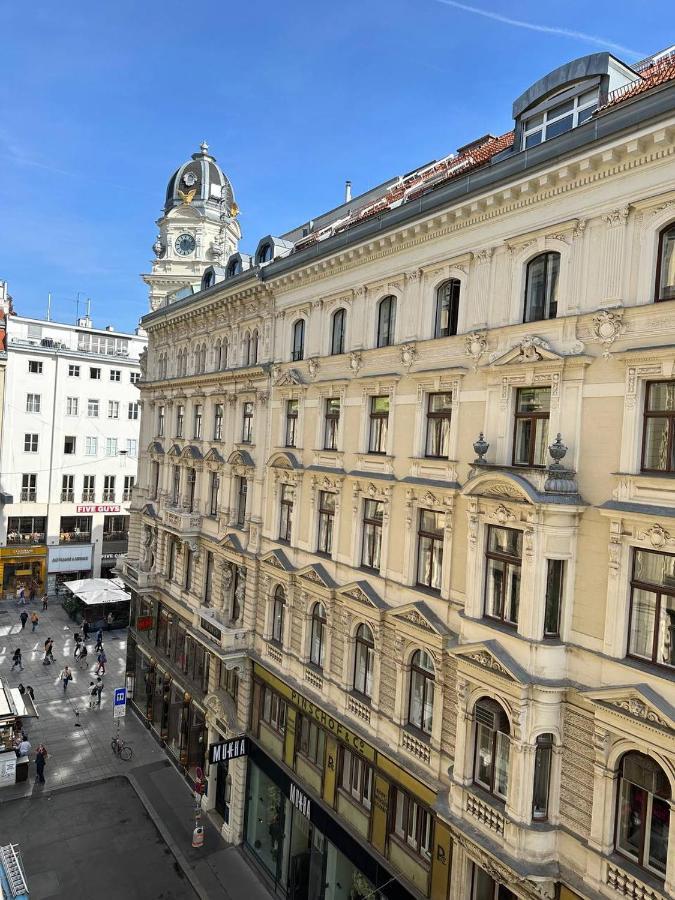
(413, 824)
(191, 488)
(108, 488)
(326, 522)
(74, 371)
(331, 423)
(241, 501)
(356, 778)
(291, 423)
(658, 447)
(30, 443)
(172, 559)
(160, 421)
(69, 443)
(67, 488)
(198, 422)
(311, 741)
(92, 409)
(115, 375)
(439, 413)
(208, 579)
(247, 426)
(555, 572)
(218, 422)
(379, 422)
(502, 579)
(95, 373)
(134, 377)
(89, 489)
(187, 557)
(28, 488)
(113, 409)
(371, 548)
(72, 406)
(214, 491)
(33, 403)
(111, 446)
(26, 530)
(132, 410)
(35, 366)
(559, 119)
(129, 482)
(115, 528)
(273, 710)
(132, 447)
(286, 513)
(75, 530)
(91, 446)
(430, 549)
(530, 437)
(651, 629)
(175, 493)
(180, 418)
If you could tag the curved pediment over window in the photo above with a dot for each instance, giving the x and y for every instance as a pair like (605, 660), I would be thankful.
(175, 450)
(214, 456)
(156, 448)
(191, 452)
(241, 458)
(283, 460)
(501, 486)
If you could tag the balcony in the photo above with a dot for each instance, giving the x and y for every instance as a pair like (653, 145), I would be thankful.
(67, 496)
(626, 885)
(126, 495)
(88, 496)
(485, 814)
(230, 640)
(29, 495)
(182, 520)
(75, 537)
(36, 537)
(108, 496)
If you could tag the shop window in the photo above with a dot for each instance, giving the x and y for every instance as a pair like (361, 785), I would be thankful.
(364, 660)
(447, 308)
(530, 434)
(430, 549)
(386, 321)
(651, 630)
(413, 824)
(541, 287)
(503, 559)
(378, 425)
(278, 608)
(439, 416)
(658, 444)
(311, 741)
(371, 549)
(26, 530)
(643, 814)
(493, 743)
(115, 528)
(317, 645)
(665, 271)
(75, 530)
(273, 710)
(422, 685)
(356, 778)
(331, 423)
(543, 759)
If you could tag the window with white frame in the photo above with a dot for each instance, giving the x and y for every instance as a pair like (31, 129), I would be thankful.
(29, 488)
(92, 409)
(331, 423)
(371, 545)
(541, 287)
(326, 522)
(421, 697)
(132, 410)
(218, 422)
(89, 489)
(430, 549)
(109, 488)
(286, 512)
(651, 629)
(33, 403)
(503, 559)
(67, 488)
(30, 443)
(90, 446)
(291, 430)
(378, 425)
(356, 778)
(317, 644)
(115, 374)
(129, 482)
(492, 747)
(413, 824)
(113, 409)
(111, 446)
(69, 444)
(447, 308)
(73, 371)
(72, 406)
(134, 377)
(35, 366)
(439, 416)
(278, 610)
(132, 447)
(559, 118)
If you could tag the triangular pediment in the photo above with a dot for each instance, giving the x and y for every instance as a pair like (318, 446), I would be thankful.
(421, 616)
(288, 378)
(364, 593)
(278, 560)
(530, 349)
(175, 450)
(491, 657)
(191, 452)
(214, 456)
(231, 542)
(636, 702)
(149, 510)
(156, 447)
(316, 574)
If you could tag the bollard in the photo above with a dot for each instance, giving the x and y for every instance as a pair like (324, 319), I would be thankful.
(198, 836)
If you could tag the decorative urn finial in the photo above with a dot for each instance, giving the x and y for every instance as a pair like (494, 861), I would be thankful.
(481, 447)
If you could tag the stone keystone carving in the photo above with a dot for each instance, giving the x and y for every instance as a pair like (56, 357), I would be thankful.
(606, 327)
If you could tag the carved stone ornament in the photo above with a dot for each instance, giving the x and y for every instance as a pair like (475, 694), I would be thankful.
(287, 378)
(487, 661)
(638, 709)
(606, 327)
(530, 346)
(416, 619)
(355, 361)
(313, 367)
(501, 489)
(357, 594)
(311, 575)
(657, 536)
(503, 514)
(273, 561)
(475, 346)
(408, 355)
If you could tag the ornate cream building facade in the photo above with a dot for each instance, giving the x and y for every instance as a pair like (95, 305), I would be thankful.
(405, 519)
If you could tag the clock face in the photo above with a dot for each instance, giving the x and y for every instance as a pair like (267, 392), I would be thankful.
(185, 244)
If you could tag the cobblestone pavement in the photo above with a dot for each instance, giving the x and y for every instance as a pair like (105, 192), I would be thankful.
(81, 766)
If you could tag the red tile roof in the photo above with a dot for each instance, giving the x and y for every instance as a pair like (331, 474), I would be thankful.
(659, 72)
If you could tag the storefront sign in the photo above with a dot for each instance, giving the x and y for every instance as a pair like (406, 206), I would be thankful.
(225, 750)
(16, 552)
(210, 629)
(70, 558)
(300, 800)
(144, 623)
(98, 508)
(337, 728)
(111, 556)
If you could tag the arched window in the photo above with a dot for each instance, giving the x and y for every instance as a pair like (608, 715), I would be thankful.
(447, 308)
(298, 348)
(208, 280)
(541, 287)
(265, 253)
(246, 349)
(364, 657)
(233, 268)
(337, 334)
(386, 321)
(421, 703)
(643, 815)
(665, 269)
(202, 359)
(278, 615)
(491, 762)
(226, 347)
(254, 347)
(317, 647)
(543, 757)
(217, 356)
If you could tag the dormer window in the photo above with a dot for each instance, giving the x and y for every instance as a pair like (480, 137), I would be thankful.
(559, 118)
(265, 254)
(233, 268)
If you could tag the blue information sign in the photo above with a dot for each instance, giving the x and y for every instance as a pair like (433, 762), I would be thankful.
(119, 703)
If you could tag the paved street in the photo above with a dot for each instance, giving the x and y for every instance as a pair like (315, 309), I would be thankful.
(94, 808)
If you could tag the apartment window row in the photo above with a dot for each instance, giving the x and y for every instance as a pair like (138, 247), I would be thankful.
(187, 654)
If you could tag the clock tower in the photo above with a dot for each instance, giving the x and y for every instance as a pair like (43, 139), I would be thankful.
(198, 228)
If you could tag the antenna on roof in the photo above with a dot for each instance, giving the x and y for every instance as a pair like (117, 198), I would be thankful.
(348, 191)
(49, 306)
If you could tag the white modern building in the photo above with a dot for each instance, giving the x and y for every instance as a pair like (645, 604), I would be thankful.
(69, 449)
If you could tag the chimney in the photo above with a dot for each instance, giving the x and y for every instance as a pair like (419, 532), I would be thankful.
(348, 191)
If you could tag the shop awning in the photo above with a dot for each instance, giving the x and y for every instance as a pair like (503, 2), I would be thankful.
(25, 708)
(95, 591)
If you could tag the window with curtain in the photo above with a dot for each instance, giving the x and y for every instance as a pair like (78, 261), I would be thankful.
(371, 550)
(364, 660)
(317, 646)
(541, 287)
(447, 308)
(503, 558)
(379, 424)
(643, 814)
(665, 270)
(651, 628)
(493, 743)
(331, 423)
(326, 522)
(543, 758)
(658, 443)
(286, 513)
(356, 778)
(530, 433)
(422, 684)
(430, 549)
(439, 416)
(298, 342)
(386, 321)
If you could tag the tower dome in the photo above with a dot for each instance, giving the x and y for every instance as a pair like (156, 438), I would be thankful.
(200, 182)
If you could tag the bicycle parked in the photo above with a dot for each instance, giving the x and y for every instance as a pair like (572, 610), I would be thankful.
(121, 749)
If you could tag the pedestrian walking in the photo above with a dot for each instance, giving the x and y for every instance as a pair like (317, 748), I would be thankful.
(49, 652)
(85, 629)
(21, 596)
(16, 659)
(99, 640)
(66, 676)
(40, 758)
(30, 692)
(24, 618)
(99, 691)
(102, 659)
(110, 619)
(34, 620)
(83, 656)
(31, 596)
(45, 601)
(93, 694)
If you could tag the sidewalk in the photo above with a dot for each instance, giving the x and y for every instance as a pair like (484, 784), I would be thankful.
(80, 756)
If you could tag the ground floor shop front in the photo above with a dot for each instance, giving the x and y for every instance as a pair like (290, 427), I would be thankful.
(23, 567)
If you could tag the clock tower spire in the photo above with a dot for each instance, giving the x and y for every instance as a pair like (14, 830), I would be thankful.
(198, 228)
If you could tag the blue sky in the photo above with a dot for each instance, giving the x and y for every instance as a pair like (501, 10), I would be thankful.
(101, 102)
